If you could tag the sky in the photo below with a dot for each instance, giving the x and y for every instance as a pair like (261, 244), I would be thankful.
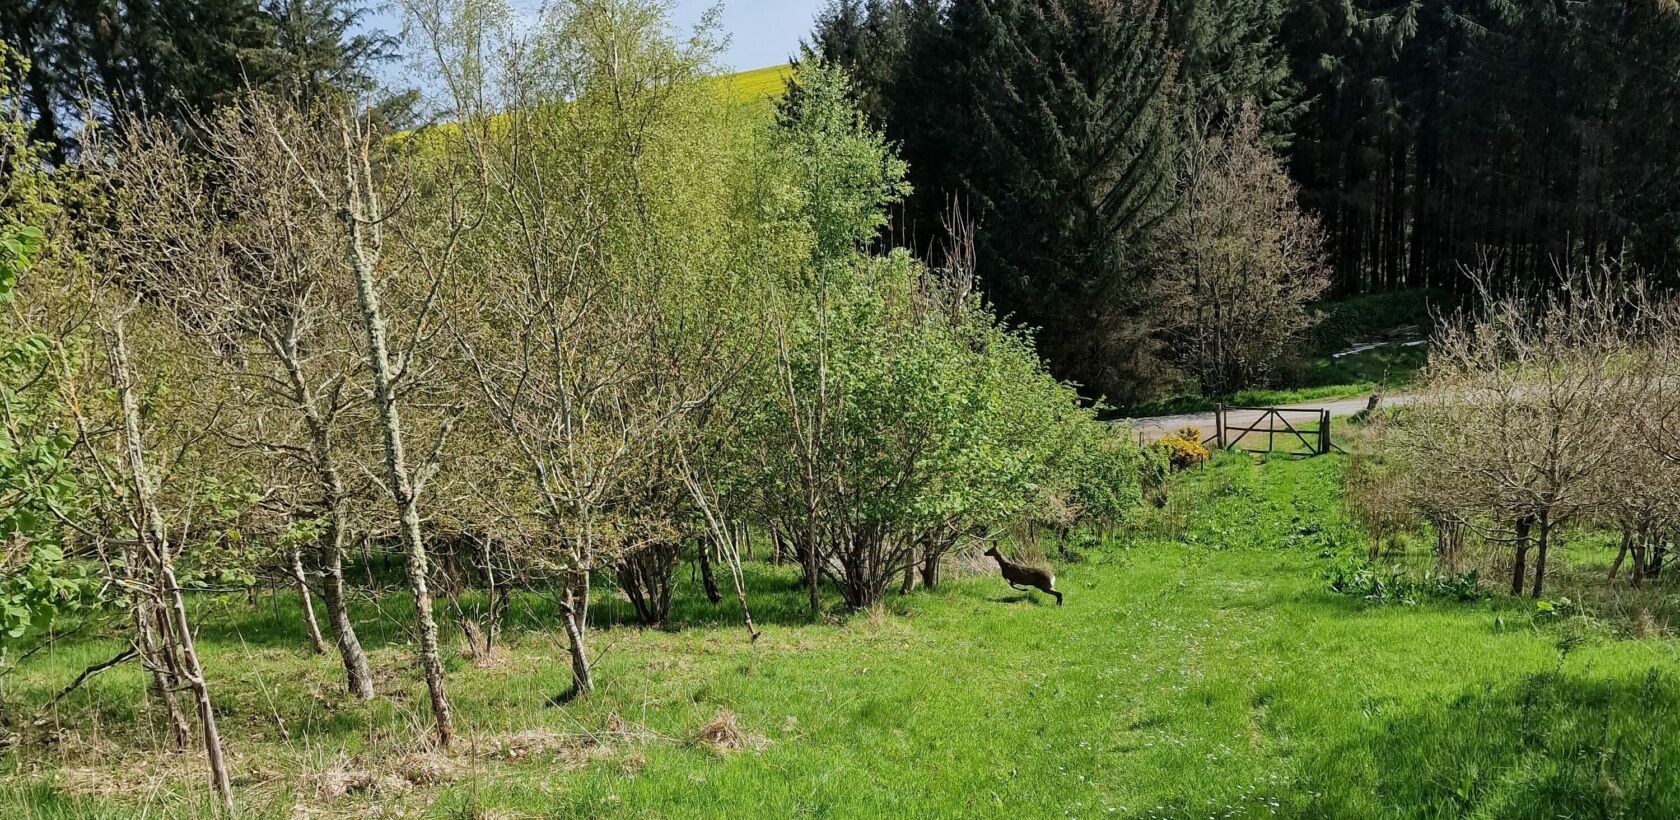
(761, 32)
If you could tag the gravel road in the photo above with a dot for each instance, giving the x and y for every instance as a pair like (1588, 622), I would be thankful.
(1154, 427)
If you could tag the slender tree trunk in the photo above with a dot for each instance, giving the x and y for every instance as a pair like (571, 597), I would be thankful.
(572, 608)
(1545, 542)
(1519, 570)
(811, 567)
(629, 580)
(707, 581)
(357, 679)
(162, 682)
(493, 618)
(1621, 554)
(734, 561)
(200, 687)
(161, 685)
(310, 625)
(728, 538)
(155, 546)
(400, 482)
(930, 569)
(909, 583)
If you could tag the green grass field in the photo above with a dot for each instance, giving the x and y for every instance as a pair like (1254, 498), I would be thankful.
(1200, 668)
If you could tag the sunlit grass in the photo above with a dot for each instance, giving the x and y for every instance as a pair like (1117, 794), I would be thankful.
(1199, 668)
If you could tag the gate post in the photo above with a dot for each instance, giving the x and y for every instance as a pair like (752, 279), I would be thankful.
(1219, 424)
(1324, 432)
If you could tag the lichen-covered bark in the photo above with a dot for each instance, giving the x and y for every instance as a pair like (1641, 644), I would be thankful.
(154, 546)
(398, 479)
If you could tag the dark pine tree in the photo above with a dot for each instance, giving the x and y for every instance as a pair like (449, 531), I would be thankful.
(1068, 165)
(319, 50)
(1524, 136)
(1052, 123)
(179, 59)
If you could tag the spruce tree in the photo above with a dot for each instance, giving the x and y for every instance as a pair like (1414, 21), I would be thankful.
(179, 59)
(1052, 123)
(317, 49)
(1231, 56)
(1519, 136)
(1068, 166)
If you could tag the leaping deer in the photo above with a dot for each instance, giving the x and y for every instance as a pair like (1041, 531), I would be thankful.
(1018, 574)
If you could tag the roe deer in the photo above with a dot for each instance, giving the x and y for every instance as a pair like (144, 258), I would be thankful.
(1018, 574)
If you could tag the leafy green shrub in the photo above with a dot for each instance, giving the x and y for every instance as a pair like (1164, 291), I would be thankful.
(1395, 585)
(17, 247)
(38, 584)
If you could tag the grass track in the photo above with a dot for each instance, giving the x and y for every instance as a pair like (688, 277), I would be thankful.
(1203, 672)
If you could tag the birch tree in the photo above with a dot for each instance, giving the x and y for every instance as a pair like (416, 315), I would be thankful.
(147, 460)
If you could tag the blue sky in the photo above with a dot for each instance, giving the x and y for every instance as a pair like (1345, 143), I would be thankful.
(761, 32)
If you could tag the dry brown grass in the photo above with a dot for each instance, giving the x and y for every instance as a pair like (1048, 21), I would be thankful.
(565, 748)
(724, 735)
(344, 776)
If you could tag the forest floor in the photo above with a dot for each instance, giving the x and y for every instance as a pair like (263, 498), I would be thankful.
(1201, 667)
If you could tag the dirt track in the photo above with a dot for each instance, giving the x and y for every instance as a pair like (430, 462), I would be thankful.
(1154, 427)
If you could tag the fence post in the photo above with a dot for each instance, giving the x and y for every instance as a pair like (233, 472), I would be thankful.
(1219, 424)
(1324, 432)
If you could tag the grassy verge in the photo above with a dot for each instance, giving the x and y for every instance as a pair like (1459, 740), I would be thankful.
(1200, 667)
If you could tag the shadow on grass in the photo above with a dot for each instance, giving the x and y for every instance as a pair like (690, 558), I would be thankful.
(565, 697)
(275, 619)
(1547, 745)
(1015, 599)
(775, 594)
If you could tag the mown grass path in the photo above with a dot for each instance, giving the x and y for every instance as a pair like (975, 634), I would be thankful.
(1206, 674)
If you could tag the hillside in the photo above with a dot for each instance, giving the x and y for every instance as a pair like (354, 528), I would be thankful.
(759, 83)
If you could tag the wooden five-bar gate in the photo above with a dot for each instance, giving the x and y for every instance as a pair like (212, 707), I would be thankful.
(1274, 423)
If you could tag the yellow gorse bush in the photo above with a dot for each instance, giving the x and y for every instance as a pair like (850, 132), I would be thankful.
(1184, 448)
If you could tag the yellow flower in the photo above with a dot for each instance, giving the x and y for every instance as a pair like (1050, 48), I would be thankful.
(1184, 449)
